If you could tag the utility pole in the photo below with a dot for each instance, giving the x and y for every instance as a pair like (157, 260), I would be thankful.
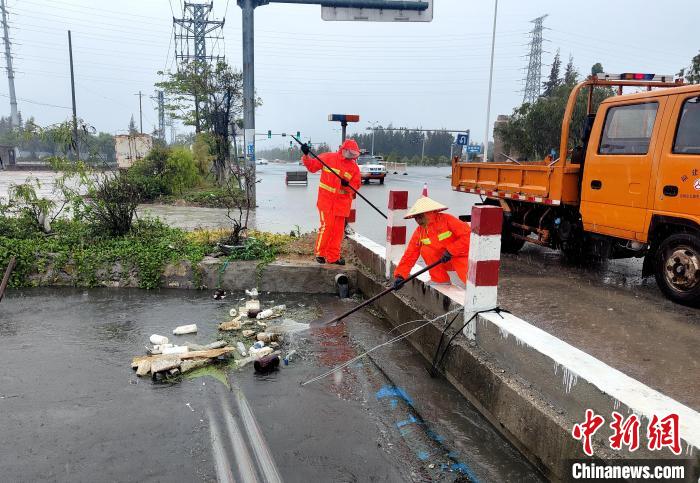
(488, 102)
(140, 112)
(72, 88)
(14, 115)
(161, 115)
(533, 81)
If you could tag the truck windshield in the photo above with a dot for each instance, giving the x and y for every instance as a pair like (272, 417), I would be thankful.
(688, 132)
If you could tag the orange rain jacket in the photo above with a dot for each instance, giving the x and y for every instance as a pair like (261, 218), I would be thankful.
(332, 197)
(444, 232)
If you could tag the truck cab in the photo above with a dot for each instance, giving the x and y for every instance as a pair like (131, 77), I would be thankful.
(629, 188)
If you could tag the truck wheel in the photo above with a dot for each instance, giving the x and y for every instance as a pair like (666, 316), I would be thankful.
(677, 268)
(381, 180)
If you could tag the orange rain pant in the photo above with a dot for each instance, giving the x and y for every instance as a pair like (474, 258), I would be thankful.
(439, 274)
(330, 236)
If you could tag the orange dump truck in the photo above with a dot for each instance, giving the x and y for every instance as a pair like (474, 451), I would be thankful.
(629, 187)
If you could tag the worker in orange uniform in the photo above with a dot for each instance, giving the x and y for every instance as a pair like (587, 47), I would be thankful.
(334, 196)
(438, 236)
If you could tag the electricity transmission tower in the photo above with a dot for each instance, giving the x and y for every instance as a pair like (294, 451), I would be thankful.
(533, 81)
(14, 116)
(192, 34)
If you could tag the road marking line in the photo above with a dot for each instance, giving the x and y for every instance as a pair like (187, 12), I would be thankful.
(244, 461)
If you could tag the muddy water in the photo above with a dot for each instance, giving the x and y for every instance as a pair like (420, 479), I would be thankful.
(71, 408)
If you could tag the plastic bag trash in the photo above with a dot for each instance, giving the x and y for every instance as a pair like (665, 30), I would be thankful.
(258, 345)
(158, 339)
(234, 324)
(258, 353)
(265, 314)
(252, 293)
(248, 333)
(178, 349)
(185, 329)
(279, 308)
(241, 348)
(267, 363)
(267, 337)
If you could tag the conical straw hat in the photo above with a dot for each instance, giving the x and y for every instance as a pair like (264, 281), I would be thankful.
(424, 205)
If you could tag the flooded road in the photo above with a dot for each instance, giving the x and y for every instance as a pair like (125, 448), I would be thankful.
(72, 409)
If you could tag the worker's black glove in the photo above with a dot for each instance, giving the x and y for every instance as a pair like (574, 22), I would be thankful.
(305, 149)
(344, 182)
(398, 282)
(446, 257)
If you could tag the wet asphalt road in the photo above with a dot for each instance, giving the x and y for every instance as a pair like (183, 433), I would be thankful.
(71, 408)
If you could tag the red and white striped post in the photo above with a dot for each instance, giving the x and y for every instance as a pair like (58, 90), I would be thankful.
(396, 228)
(484, 263)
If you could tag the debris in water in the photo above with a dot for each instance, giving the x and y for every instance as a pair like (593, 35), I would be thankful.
(267, 337)
(288, 357)
(241, 348)
(216, 345)
(233, 312)
(185, 329)
(252, 293)
(234, 324)
(267, 363)
(178, 349)
(158, 339)
(248, 333)
(265, 314)
(219, 294)
(188, 405)
(258, 353)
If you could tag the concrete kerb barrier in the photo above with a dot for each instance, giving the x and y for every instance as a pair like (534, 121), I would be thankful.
(531, 385)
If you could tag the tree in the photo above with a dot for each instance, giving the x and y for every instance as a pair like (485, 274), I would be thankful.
(132, 126)
(210, 98)
(692, 74)
(597, 69)
(553, 81)
(570, 75)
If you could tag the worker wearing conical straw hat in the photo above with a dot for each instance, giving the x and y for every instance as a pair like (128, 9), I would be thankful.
(438, 236)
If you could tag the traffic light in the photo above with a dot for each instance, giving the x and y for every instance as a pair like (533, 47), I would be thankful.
(290, 145)
(269, 134)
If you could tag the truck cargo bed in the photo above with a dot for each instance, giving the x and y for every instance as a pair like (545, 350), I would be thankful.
(534, 181)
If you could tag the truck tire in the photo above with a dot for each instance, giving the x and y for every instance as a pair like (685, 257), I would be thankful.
(677, 268)
(381, 180)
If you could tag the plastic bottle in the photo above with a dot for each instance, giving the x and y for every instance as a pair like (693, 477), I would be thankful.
(288, 357)
(185, 329)
(259, 344)
(241, 348)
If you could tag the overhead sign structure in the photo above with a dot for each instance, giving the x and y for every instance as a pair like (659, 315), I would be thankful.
(462, 139)
(403, 11)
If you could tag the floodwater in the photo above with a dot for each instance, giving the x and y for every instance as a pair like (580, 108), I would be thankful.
(71, 408)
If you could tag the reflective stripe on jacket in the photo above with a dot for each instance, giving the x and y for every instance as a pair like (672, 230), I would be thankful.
(331, 195)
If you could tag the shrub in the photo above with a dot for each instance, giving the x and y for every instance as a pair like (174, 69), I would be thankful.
(180, 171)
(111, 204)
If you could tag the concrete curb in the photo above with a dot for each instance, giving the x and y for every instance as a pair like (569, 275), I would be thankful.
(532, 386)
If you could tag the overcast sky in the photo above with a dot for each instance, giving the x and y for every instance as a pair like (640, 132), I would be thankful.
(433, 75)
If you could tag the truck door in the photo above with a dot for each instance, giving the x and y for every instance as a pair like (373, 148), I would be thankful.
(678, 181)
(615, 187)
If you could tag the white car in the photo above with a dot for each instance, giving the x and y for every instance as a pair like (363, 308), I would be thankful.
(371, 169)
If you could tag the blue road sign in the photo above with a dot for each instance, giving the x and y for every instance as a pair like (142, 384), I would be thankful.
(474, 149)
(251, 149)
(462, 140)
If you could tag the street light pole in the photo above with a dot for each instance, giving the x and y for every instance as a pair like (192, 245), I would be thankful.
(248, 25)
(488, 103)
